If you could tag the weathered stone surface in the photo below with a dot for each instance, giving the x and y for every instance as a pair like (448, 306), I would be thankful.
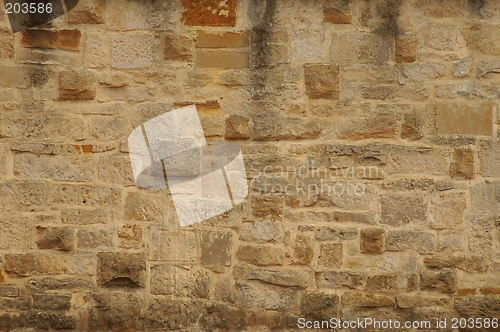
(262, 231)
(444, 281)
(411, 160)
(367, 300)
(402, 209)
(331, 233)
(463, 118)
(451, 240)
(267, 205)
(237, 127)
(264, 296)
(16, 233)
(339, 279)
(303, 250)
(418, 301)
(85, 216)
(480, 236)
(94, 238)
(143, 206)
(179, 48)
(67, 168)
(330, 255)
(114, 310)
(52, 301)
(388, 283)
(462, 67)
(59, 238)
(442, 38)
(225, 317)
(485, 197)
(447, 210)
(34, 264)
(88, 11)
(121, 269)
(46, 320)
(130, 236)
(462, 165)
(319, 306)
(179, 246)
(337, 12)
(223, 40)
(373, 126)
(308, 45)
(82, 195)
(322, 81)
(272, 128)
(340, 51)
(261, 255)
(77, 85)
(209, 13)
(372, 241)
(180, 281)
(223, 59)
(286, 278)
(418, 241)
(489, 159)
(63, 284)
(68, 40)
(484, 38)
(132, 51)
(216, 247)
(406, 48)
(467, 263)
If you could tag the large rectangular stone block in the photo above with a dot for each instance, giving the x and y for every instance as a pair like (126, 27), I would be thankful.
(471, 118)
(223, 59)
(67, 168)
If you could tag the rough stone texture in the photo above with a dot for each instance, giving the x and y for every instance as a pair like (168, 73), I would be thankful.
(121, 269)
(369, 132)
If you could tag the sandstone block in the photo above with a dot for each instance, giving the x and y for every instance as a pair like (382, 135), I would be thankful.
(210, 13)
(262, 231)
(121, 269)
(480, 237)
(451, 240)
(463, 118)
(308, 45)
(237, 127)
(331, 233)
(337, 12)
(339, 279)
(418, 241)
(216, 247)
(223, 40)
(303, 250)
(85, 216)
(61, 168)
(355, 51)
(412, 160)
(52, 301)
(145, 206)
(84, 195)
(172, 246)
(319, 306)
(267, 205)
(180, 281)
(424, 71)
(389, 283)
(472, 264)
(223, 59)
(412, 126)
(406, 48)
(225, 317)
(132, 51)
(115, 169)
(114, 311)
(68, 40)
(410, 91)
(401, 209)
(484, 38)
(372, 241)
(94, 238)
(59, 238)
(16, 233)
(418, 301)
(77, 85)
(264, 296)
(34, 264)
(40, 320)
(376, 126)
(322, 81)
(448, 210)
(261, 255)
(130, 236)
(462, 67)
(367, 300)
(89, 12)
(484, 197)
(489, 159)
(272, 128)
(330, 255)
(442, 38)
(444, 281)
(285, 278)
(462, 164)
(107, 129)
(179, 48)
(57, 284)
(485, 306)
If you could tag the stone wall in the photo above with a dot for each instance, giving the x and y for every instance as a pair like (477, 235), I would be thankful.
(369, 132)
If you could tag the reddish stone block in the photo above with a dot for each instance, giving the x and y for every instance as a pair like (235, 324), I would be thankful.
(209, 12)
(68, 40)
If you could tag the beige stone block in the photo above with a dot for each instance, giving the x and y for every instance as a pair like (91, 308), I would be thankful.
(223, 40)
(115, 169)
(179, 48)
(367, 300)
(34, 263)
(471, 118)
(223, 59)
(16, 233)
(94, 239)
(261, 255)
(361, 47)
(177, 246)
(419, 241)
(322, 81)
(180, 281)
(485, 38)
(60, 238)
(372, 241)
(398, 209)
(216, 247)
(330, 255)
(84, 195)
(264, 296)
(447, 210)
(61, 168)
(489, 159)
(463, 164)
(319, 305)
(121, 269)
(77, 85)
(406, 48)
(132, 51)
(308, 45)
